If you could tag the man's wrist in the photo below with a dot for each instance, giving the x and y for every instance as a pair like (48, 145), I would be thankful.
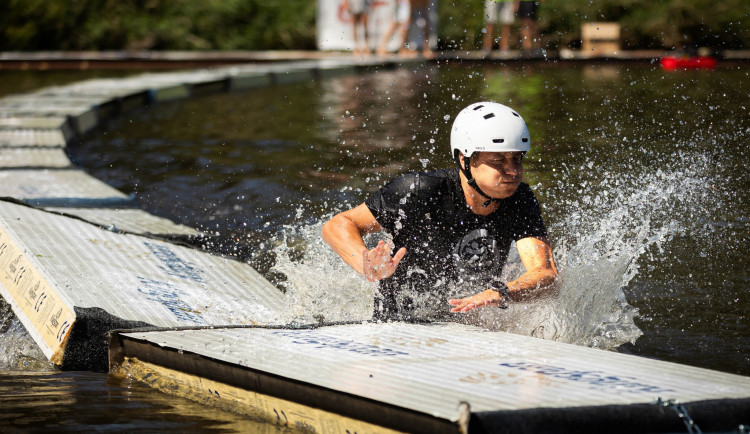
(502, 289)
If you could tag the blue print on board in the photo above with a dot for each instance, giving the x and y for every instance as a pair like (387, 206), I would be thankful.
(593, 378)
(173, 265)
(323, 341)
(169, 296)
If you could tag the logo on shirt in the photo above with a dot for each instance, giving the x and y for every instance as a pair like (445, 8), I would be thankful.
(477, 251)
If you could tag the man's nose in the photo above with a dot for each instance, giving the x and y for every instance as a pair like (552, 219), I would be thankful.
(512, 168)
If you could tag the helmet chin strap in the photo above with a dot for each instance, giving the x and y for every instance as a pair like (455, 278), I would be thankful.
(472, 182)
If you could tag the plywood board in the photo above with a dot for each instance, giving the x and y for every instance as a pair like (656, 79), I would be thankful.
(33, 157)
(18, 137)
(133, 220)
(76, 265)
(45, 187)
(434, 369)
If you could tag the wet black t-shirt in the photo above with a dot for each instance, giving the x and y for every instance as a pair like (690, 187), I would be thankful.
(446, 243)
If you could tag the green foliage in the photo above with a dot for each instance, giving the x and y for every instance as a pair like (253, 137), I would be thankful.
(645, 23)
(655, 23)
(157, 24)
(290, 24)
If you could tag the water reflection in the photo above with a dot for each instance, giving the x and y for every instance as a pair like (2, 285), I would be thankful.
(85, 401)
(640, 174)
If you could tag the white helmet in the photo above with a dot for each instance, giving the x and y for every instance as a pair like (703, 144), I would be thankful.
(489, 127)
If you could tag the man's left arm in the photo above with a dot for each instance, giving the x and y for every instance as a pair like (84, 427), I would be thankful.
(536, 255)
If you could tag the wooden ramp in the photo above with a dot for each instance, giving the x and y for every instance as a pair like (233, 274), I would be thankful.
(429, 378)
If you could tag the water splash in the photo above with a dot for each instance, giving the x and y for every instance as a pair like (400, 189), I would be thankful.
(607, 234)
(603, 235)
(18, 351)
(320, 287)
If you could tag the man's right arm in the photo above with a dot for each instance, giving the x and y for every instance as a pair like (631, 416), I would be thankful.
(344, 234)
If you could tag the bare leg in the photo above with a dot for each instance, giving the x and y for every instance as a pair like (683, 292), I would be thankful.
(383, 46)
(426, 50)
(403, 32)
(487, 39)
(535, 35)
(366, 49)
(505, 37)
(527, 33)
(356, 36)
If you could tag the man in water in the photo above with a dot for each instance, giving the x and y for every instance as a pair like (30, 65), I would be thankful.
(454, 228)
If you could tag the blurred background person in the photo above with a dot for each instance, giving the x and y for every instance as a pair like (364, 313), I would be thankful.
(359, 10)
(398, 25)
(495, 11)
(420, 17)
(529, 34)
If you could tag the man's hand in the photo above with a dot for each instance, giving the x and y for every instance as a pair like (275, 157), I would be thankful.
(377, 264)
(484, 298)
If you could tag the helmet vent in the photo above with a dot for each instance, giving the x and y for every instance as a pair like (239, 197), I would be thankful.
(516, 114)
(498, 140)
(525, 139)
(489, 115)
(478, 107)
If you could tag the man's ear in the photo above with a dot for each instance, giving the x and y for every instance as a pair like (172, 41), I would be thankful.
(461, 158)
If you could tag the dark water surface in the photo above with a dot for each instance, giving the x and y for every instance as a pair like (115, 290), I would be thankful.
(642, 176)
(85, 402)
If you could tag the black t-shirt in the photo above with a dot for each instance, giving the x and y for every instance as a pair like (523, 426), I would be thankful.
(446, 243)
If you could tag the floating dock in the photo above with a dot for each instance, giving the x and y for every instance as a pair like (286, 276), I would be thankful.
(70, 282)
(79, 258)
(436, 378)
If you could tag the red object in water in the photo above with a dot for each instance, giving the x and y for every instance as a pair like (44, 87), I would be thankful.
(696, 62)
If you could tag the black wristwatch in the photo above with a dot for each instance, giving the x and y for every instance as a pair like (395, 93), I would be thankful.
(502, 288)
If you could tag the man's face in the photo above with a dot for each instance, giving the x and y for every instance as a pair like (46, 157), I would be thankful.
(498, 173)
